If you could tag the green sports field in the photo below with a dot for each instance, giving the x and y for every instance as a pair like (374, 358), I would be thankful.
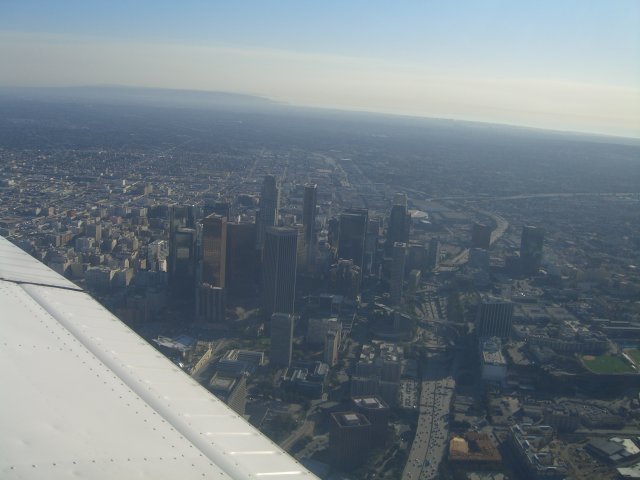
(635, 354)
(607, 364)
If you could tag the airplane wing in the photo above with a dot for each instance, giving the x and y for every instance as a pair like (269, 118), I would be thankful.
(83, 396)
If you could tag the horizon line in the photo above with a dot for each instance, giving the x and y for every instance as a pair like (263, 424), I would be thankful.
(334, 108)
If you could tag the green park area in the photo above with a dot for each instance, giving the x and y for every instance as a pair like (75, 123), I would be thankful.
(607, 364)
(634, 353)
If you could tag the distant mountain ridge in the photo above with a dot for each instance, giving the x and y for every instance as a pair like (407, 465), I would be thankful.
(135, 95)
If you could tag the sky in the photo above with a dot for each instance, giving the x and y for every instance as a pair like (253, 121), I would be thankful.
(561, 64)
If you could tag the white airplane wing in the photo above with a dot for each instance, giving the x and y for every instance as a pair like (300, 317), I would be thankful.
(83, 396)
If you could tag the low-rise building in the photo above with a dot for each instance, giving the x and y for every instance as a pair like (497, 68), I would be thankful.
(530, 443)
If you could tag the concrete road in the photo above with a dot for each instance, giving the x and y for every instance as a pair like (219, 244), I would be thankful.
(432, 433)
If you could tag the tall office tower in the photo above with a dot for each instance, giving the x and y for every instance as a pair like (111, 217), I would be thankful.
(301, 255)
(182, 216)
(481, 236)
(241, 268)
(479, 258)
(210, 303)
(353, 230)
(213, 252)
(531, 249)
(433, 253)
(182, 262)
(223, 209)
(399, 256)
(309, 223)
(333, 231)
(377, 412)
(494, 318)
(399, 223)
(94, 230)
(212, 205)
(281, 339)
(417, 257)
(371, 246)
(279, 270)
(331, 346)
(350, 439)
(345, 279)
(269, 203)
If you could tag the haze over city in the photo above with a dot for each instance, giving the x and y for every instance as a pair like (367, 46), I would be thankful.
(557, 65)
(338, 241)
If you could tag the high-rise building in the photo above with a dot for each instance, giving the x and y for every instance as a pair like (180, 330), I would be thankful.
(481, 236)
(210, 303)
(479, 258)
(223, 209)
(309, 223)
(399, 223)
(182, 216)
(213, 250)
(331, 346)
(279, 270)
(377, 412)
(371, 246)
(281, 339)
(241, 265)
(417, 257)
(94, 230)
(494, 318)
(333, 231)
(213, 205)
(182, 262)
(345, 279)
(301, 252)
(433, 253)
(350, 439)
(531, 249)
(397, 272)
(269, 204)
(351, 239)
(318, 328)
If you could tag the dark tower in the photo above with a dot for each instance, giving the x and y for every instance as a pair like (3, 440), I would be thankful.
(397, 272)
(182, 216)
(279, 270)
(281, 339)
(241, 259)
(210, 293)
(214, 250)
(353, 230)
(494, 318)
(269, 202)
(309, 222)
(399, 223)
(481, 236)
(211, 205)
(531, 249)
(182, 262)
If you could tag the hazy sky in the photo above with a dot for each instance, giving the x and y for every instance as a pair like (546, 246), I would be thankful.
(560, 64)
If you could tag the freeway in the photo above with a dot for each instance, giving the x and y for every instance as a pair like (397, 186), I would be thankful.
(501, 227)
(432, 432)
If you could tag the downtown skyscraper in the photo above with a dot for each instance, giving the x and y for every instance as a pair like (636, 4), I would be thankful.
(309, 223)
(210, 292)
(399, 223)
(279, 270)
(351, 240)
(531, 249)
(269, 204)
